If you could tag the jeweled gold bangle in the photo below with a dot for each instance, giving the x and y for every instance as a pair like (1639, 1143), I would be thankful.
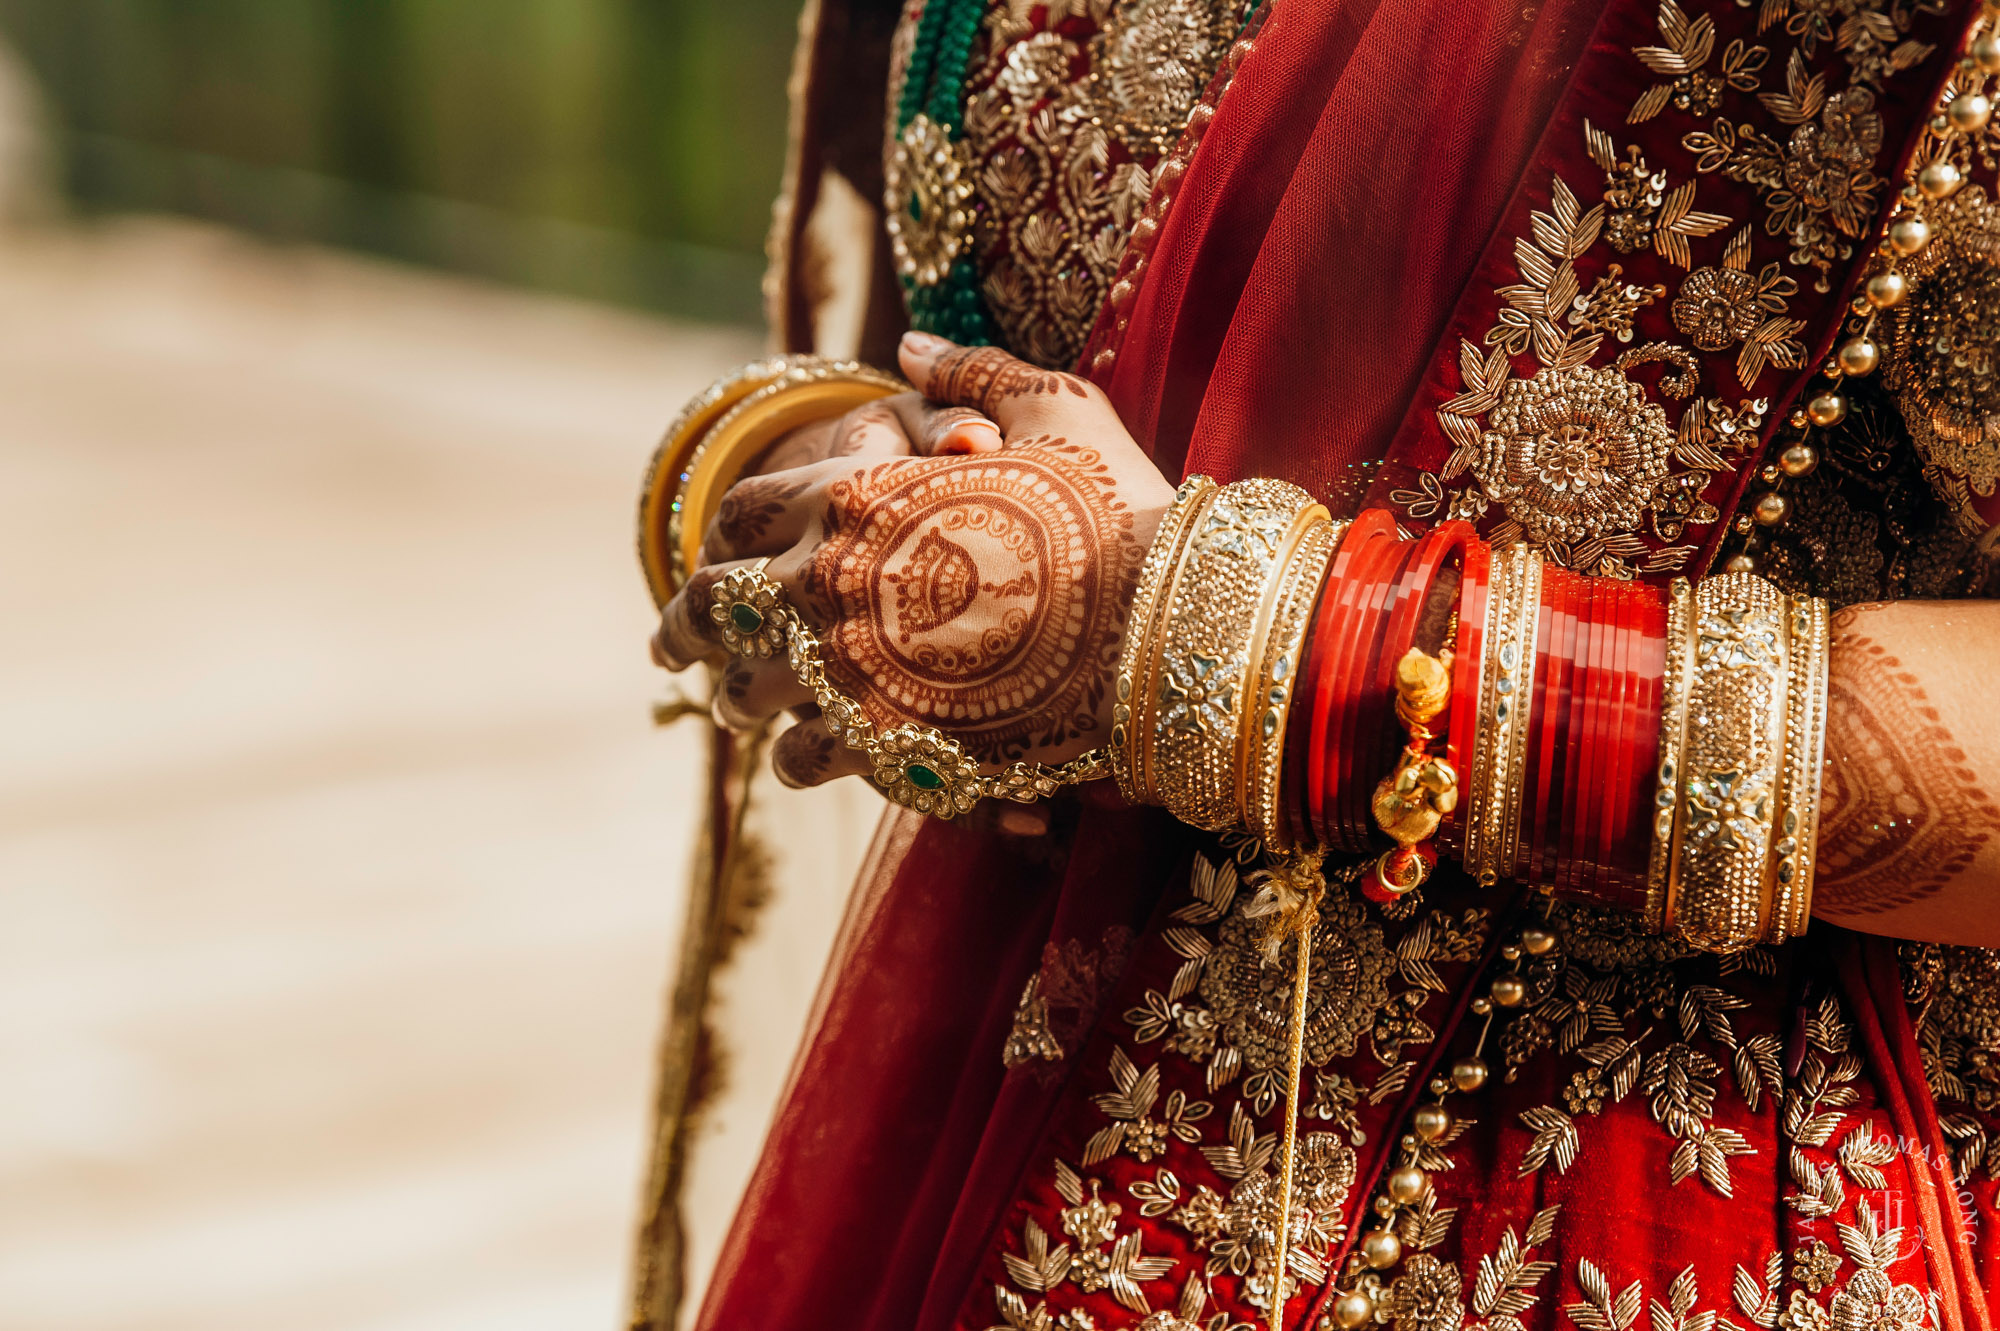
(1719, 894)
(1211, 607)
(1679, 673)
(1798, 792)
(719, 433)
(1280, 643)
(1499, 756)
(1138, 655)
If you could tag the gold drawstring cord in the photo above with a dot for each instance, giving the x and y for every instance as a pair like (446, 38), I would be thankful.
(1290, 898)
(1294, 1069)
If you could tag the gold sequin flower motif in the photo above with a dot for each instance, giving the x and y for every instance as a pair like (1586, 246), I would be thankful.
(1572, 453)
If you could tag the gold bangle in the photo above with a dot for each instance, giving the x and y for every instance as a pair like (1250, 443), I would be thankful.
(1131, 720)
(1210, 613)
(1805, 748)
(719, 433)
(1720, 884)
(1679, 674)
(1278, 647)
(1506, 697)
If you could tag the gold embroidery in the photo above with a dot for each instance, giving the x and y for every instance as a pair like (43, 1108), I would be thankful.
(1097, 1257)
(1720, 307)
(1682, 57)
(1130, 1107)
(1576, 455)
(1641, 211)
(1955, 996)
(1429, 1294)
(1058, 205)
(1819, 189)
(1031, 1037)
(1604, 972)
(1941, 340)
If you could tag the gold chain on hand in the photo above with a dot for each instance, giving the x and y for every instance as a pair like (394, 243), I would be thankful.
(917, 766)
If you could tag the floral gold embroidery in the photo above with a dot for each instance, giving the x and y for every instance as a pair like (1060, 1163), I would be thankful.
(1819, 188)
(1682, 57)
(1066, 131)
(1577, 456)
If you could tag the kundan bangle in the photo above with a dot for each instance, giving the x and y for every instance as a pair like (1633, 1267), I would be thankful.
(1210, 612)
(1734, 746)
(1742, 824)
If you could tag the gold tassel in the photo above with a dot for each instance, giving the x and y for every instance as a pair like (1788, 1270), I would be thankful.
(1289, 900)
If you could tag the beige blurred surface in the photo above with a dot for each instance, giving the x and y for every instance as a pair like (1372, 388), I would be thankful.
(339, 866)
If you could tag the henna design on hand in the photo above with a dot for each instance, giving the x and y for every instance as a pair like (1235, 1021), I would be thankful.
(854, 428)
(803, 756)
(984, 595)
(987, 376)
(747, 510)
(1902, 810)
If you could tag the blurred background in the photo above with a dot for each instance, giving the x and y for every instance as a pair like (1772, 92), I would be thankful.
(339, 864)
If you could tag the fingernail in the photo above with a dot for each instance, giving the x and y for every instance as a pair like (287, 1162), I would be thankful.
(971, 437)
(1022, 822)
(924, 344)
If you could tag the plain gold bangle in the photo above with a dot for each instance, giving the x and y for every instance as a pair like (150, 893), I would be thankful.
(1279, 645)
(1678, 676)
(719, 433)
(1797, 845)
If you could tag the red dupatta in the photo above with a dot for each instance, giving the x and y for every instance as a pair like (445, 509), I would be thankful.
(1326, 238)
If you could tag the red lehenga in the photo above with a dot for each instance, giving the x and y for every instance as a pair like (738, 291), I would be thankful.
(1044, 1086)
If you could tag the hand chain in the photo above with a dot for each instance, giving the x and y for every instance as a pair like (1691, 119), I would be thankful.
(916, 766)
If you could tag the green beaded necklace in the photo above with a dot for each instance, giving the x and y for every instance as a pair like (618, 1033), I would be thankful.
(929, 193)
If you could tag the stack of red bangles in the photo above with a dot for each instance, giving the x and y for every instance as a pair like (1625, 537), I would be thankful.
(1592, 706)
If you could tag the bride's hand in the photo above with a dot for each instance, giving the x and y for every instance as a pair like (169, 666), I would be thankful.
(981, 590)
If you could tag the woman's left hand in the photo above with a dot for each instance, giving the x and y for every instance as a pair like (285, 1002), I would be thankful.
(981, 592)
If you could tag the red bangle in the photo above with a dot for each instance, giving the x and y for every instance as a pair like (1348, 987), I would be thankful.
(1551, 734)
(1305, 739)
(1619, 701)
(1380, 735)
(1375, 578)
(1631, 798)
(1472, 599)
(1575, 756)
(1596, 720)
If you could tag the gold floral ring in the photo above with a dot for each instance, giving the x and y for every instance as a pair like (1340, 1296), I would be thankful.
(914, 765)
